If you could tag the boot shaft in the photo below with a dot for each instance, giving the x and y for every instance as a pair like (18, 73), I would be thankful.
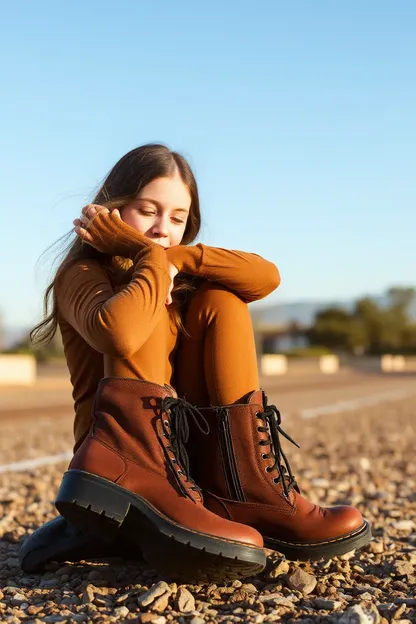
(232, 461)
(127, 417)
(246, 477)
(133, 426)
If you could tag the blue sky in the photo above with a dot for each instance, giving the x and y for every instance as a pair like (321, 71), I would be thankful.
(297, 117)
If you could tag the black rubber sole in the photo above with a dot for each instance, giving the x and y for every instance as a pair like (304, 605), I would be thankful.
(104, 509)
(58, 540)
(321, 550)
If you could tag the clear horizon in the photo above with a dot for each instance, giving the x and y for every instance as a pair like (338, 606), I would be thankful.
(298, 121)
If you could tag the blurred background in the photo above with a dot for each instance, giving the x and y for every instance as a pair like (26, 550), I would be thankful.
(299, 122)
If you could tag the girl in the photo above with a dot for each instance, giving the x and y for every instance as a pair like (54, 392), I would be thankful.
(161, 354)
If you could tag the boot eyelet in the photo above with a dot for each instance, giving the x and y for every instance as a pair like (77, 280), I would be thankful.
(268, 469)
(264, 456)
(166, 423)
(276, 480)
(258, 429)
(180, 472)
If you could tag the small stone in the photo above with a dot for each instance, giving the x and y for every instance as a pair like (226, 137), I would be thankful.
(122, 598)
(121, 612)
(320, 483)
(34, 610)
(197, 620)
(249, 588)
(366, 596)
(152, 618)
(398, 612)
(66, 569)
(320, 589)
(148, 597)
(404, 525)
(48, 583)
(357, 615)
(102, 574)
(281, 568)
(365, 463)
(376, 547)
(403, 568)
(17, 599)
(302, 581)
(184, 600)
(327, 605)
(277, 599)
(88, 595)
(240, 596)
(161, 603)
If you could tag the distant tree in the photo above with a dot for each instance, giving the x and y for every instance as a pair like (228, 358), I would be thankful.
(52, 350)
(336, 329)
(370, 327)
(401, 299)
(2, 332)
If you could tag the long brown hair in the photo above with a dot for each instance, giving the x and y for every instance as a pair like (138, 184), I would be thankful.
(129, 175)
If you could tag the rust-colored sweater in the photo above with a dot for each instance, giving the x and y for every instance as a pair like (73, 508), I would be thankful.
(116, 323)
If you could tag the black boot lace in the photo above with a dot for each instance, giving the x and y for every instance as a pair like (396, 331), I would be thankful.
(271, 418)
(176, 430)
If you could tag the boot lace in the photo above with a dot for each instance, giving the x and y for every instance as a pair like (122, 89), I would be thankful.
(271, 418)
(177, 433)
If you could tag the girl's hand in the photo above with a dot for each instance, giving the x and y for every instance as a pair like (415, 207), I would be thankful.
(106, 231)
(173, 271)
(89, 212)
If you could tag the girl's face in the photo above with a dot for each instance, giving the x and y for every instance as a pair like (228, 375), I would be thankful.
(160, 211)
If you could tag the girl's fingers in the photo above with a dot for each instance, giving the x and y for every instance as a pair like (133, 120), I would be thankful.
(88, 213)
(79, 223)
(82, 233)
(91, 210)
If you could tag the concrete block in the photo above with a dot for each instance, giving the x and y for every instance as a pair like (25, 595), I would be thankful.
(392, 363)
(329, 364)
(273, 364)
(17, 370)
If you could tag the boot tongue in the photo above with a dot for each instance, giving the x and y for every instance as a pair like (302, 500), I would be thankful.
(171, 391)
(256, 398)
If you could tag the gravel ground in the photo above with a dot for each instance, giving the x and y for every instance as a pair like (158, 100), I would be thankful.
(364, 456)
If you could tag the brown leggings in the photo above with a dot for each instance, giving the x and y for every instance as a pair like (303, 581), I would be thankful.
(217, 364)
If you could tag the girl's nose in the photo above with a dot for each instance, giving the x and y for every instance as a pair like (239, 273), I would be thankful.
(161, 227)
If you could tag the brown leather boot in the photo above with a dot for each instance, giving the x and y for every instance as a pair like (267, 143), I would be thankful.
(131, 473)
(246, 477)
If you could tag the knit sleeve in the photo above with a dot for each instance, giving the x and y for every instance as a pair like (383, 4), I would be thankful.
(250, 276)
(114, 237)
(114, 324)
